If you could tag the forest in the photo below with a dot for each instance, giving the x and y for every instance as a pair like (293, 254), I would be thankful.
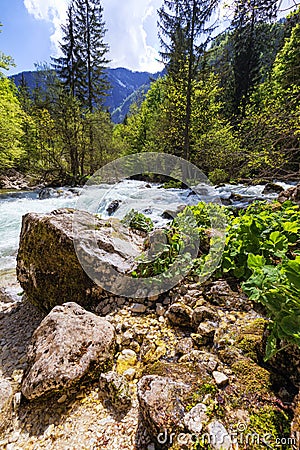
(228, 102)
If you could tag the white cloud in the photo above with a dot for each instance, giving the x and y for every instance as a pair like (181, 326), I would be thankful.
(53, 11)
(131, 35)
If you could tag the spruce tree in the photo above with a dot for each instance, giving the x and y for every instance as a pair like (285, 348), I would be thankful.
(247, 46)
(82, 66)
(184, 34)
(66, 66)
(92, 62)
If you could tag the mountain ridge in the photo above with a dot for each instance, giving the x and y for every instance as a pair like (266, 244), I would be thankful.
(126, 86)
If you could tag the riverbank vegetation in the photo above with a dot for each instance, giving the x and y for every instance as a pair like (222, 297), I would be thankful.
(228, 100)
(262, 252)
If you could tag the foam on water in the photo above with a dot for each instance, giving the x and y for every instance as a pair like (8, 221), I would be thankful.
(133, 194)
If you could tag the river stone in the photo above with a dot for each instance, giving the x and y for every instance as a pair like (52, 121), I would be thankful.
(70, 343)
(272, 188)
(6, 395)
(113, 206)
(47, 265)
(202, 313)
(161, 403)
(292, 193)
(116, 388)
(180, 314)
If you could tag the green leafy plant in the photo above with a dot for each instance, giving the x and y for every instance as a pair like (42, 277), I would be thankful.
(262, 249)
(134, 219)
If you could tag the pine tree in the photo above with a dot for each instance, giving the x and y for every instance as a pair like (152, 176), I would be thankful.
(66, 66)
(184, 35)
(247, 41)
(90, 31)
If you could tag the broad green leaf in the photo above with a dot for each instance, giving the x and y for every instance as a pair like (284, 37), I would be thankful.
(290, 227)
(291, 325)
(255, 261)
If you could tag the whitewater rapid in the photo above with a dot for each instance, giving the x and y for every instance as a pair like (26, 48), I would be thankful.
(152, 201)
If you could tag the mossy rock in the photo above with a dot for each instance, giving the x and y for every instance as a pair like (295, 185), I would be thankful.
(244, 338)
(191, 374)
(251, 339)
(252, 377)
(48, 268)
(269, 424)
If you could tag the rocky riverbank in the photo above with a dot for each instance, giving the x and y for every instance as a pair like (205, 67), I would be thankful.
(189, 364)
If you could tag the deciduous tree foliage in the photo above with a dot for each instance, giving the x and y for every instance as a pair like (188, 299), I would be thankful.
(11, 118)
(272, 125)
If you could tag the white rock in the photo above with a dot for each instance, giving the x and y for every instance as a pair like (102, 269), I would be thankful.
(220, 378)
(219, 437)
(195, 418)
(17, 400)
(129, 374)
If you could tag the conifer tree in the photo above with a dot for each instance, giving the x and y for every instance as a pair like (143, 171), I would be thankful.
(90, 31)
(184, 34)
(247, 41)
(66, 66)
(83, 63)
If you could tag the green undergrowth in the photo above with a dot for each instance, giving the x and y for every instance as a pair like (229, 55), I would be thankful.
(134, 219)
(261, 249)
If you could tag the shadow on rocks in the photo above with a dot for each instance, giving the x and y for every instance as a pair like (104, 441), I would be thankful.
(17, 324)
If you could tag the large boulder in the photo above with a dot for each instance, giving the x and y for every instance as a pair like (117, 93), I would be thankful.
(272, 188)
(292, 193)
(69, 344)
(6, 394)
(47, 265)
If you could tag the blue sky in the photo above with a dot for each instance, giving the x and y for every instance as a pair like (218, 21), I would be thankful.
(31, 31)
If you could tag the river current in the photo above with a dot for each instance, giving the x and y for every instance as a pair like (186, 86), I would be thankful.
(152, 201)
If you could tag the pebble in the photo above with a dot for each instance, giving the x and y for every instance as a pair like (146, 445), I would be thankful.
(126, 360)
(120, 301)
(127, 337)
(138, 308)
(62, 399)
(167, 301)
(160, 310)
(129, 374)
(220, 378)
(17, 400)
(106, 310)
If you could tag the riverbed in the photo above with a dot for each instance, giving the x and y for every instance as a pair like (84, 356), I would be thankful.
(152, 200)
